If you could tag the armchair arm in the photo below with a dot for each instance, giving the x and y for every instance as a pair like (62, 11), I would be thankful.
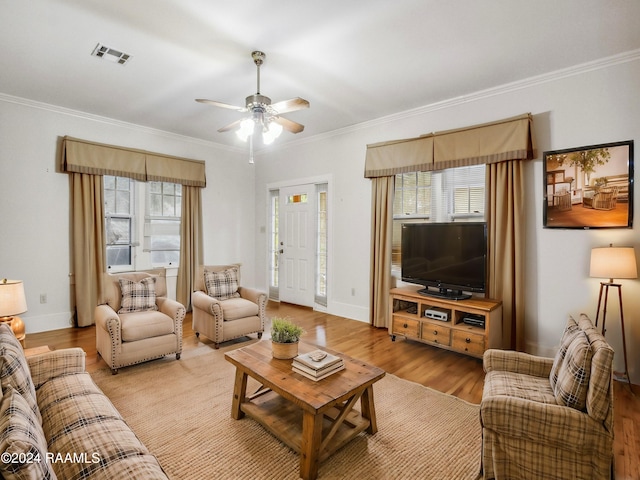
(171, 308)
(108, 320)
(553, 425)
(253, 295)
(47, 366)
(206, 303)
(517, 362)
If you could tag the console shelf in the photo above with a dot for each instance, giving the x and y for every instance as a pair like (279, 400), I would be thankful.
(407, 318)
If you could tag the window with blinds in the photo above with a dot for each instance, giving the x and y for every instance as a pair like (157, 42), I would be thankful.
(454, 194)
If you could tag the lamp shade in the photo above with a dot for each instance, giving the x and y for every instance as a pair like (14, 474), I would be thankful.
(12, 299)
(613, 262)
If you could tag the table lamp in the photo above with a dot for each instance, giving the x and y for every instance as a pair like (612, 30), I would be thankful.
(12, 304)
(613, 262)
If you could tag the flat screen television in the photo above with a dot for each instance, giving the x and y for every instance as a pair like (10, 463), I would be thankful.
(449, 259)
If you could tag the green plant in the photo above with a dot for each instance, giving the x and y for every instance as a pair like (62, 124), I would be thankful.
(285, 331)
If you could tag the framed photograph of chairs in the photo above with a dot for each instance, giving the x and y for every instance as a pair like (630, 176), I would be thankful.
(589, 187)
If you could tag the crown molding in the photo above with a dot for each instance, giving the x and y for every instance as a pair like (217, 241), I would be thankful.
(113, 122)
(600, 64)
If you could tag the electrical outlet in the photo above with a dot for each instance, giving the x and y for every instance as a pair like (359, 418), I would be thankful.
(43, 298)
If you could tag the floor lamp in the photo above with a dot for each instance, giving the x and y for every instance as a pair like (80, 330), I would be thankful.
(613, 262)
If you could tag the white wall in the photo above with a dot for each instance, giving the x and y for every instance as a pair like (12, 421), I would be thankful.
(597, 103)
(591, 104)
(34, 209)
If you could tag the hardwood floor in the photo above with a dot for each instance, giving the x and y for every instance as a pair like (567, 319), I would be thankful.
(439, 369)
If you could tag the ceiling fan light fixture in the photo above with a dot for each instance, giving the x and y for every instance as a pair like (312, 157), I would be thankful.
(247, 126)
(271, 132)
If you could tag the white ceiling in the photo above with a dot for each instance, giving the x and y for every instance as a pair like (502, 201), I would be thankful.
(354, 60)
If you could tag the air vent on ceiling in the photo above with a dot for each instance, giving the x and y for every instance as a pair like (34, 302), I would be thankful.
(111, 54)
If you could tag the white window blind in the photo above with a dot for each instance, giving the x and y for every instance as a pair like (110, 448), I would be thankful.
(454, 194)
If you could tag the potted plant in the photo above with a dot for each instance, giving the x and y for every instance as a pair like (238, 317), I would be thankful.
(284, 338)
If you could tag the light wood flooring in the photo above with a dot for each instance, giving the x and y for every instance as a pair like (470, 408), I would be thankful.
(439, 369)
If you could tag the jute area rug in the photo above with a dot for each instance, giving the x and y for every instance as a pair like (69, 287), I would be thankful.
(181, 411)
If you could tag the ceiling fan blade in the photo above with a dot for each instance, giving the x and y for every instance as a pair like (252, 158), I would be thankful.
(289, 125)
(220, 104)
(290, 105)
(231, 126)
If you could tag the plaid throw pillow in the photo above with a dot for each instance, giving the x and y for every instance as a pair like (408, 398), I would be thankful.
(22, 440)
(573, 374)
(138, 296)
(571, 331)
(222, 285)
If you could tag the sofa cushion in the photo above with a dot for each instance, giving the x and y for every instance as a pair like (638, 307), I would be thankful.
(222, 285)
(573, 374)
(235, 308)
(22, 441)
(78, 417)
(138, 296)
(140, 325)
(511, 384)
(14, 370)
(570, 332)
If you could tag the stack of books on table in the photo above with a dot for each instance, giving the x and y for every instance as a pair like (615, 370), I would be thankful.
(317, 365)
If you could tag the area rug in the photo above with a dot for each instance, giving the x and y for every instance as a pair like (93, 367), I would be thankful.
(181, 410)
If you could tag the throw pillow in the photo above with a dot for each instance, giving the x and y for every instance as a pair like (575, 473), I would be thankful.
(573, 374)
(22, 441)
(14, 369)
(222, 285)
(138, 296)
(570, 332)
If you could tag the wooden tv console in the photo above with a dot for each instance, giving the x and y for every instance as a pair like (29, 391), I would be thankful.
(407, 318)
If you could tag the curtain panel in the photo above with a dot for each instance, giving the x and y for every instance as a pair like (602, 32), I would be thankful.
(82, 156)
(499, 141)
(87, 162)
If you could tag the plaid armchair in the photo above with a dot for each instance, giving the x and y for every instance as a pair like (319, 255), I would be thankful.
(546, 418)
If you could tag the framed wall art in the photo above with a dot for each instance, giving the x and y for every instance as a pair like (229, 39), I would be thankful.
(589, 187)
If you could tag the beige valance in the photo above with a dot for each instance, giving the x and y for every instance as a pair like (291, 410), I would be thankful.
(83, 156)
(493, 142)
(390, 158)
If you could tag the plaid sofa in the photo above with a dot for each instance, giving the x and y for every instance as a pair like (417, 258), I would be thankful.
(545, 418)
(56, 423)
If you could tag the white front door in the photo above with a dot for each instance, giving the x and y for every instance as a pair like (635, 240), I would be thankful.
(297, 245)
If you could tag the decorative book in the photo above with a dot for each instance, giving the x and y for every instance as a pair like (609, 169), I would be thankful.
(317, 360)
(319, 376)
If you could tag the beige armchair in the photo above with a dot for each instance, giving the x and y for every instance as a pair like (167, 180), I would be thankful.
(545, 418)
(138, 322)
(224, 310)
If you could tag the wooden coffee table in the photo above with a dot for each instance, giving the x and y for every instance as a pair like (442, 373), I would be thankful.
(313, 418)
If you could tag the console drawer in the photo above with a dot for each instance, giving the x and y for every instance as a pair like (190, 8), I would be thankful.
(436, 334)
(472, 343)
(406, 327)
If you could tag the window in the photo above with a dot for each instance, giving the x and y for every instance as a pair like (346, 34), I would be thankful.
(162, 222)
(274, 244)
(439, 196)
(321, 245)
(119, 216)
(160, 205)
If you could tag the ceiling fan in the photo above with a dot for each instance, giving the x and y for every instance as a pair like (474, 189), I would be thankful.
(264, 116)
